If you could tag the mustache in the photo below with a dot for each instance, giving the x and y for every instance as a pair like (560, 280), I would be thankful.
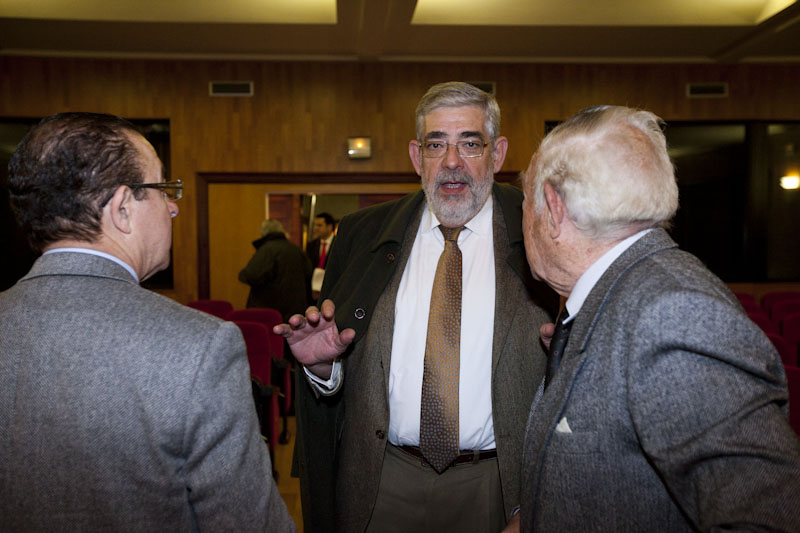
(448, 175)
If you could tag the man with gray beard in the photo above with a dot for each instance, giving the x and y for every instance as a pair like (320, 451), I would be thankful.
(417, 383)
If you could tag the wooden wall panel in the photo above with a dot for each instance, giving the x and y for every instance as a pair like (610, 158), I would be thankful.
(302, 112)
(235, 212)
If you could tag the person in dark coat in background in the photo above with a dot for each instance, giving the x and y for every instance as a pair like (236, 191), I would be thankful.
(278, 273)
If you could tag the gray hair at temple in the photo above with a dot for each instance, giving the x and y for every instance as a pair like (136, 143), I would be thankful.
(271, 225)
(458, 94)
(610, 166)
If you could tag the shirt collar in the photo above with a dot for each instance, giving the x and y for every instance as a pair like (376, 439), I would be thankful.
(480, 224)
(98, 253)
(589, 279)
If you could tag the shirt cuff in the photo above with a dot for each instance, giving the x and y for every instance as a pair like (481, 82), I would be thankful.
(330, 386)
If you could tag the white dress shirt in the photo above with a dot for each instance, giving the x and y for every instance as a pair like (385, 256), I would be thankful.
(476, 242)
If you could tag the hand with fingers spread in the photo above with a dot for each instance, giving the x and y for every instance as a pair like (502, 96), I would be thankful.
(314, 339)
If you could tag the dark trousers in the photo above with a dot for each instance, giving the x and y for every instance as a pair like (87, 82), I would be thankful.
(413, 497)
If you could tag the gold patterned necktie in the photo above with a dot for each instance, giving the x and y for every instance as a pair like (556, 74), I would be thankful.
(438, 439)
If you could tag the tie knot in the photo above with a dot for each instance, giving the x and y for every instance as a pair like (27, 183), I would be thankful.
(450, 234)
(563, 315)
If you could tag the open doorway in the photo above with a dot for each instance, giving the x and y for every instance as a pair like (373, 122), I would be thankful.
(234, 212)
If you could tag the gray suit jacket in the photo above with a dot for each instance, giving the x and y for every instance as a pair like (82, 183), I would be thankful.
(341, 439)
(676, 404)
(122, 410)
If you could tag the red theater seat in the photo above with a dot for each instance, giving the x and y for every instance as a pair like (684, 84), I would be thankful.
(218, 308)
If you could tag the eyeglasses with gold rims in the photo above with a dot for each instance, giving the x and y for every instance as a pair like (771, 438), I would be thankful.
(173, 190)
(466, 148)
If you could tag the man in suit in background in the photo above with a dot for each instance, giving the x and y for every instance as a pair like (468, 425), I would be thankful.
(119, 409)
(319, 249)
(366, 418)
(664, 407)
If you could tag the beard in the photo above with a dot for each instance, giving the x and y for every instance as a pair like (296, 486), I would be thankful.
(456, 210)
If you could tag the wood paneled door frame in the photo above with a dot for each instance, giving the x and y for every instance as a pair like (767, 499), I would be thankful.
(287, 183)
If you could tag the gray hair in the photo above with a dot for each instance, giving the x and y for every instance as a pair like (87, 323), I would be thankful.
(62, 171)
(458, 94)
(271, 225)
(610, 166)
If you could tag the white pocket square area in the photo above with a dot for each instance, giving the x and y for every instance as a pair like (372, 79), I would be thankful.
(563, 426)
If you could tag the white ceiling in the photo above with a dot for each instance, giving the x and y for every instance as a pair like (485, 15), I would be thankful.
(237, 11)
(408, 30)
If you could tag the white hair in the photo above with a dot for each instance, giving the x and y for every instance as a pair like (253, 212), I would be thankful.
(610, 166)
(271, 225)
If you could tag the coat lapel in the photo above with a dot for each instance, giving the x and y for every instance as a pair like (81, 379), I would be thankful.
(381, 331)
(504, 290)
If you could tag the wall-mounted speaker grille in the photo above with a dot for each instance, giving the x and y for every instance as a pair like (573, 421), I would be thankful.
(716, 89)
(230, 88)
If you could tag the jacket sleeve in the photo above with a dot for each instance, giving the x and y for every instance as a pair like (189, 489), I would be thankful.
(709, 408)
(227, 467)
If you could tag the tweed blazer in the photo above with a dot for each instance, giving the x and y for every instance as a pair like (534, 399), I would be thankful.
(667, 413)
(122, 410)
(342, 439)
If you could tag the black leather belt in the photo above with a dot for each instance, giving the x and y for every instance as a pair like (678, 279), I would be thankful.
(465, 456)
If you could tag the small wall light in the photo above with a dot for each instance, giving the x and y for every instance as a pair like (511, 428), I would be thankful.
(790, 182)
(359, 147)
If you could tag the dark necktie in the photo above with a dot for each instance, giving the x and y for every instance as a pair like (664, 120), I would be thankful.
(557, 345)
(322, 255)
(438, 439)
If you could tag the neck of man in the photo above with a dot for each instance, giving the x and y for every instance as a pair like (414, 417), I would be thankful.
(101, 244)
(578, 252)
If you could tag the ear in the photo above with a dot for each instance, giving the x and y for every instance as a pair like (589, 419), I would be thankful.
(499, 152)
(556, 211)
(120, 209)
(415, 155)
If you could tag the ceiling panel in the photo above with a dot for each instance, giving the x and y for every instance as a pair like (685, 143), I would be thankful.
(407, 30)
(597, 13)
(243, 11)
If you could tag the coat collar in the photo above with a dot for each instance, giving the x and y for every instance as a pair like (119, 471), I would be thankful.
(77, 264)
(596, 302)
(398, 221)
(274, 236)
(654, 242)
(395, 225)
